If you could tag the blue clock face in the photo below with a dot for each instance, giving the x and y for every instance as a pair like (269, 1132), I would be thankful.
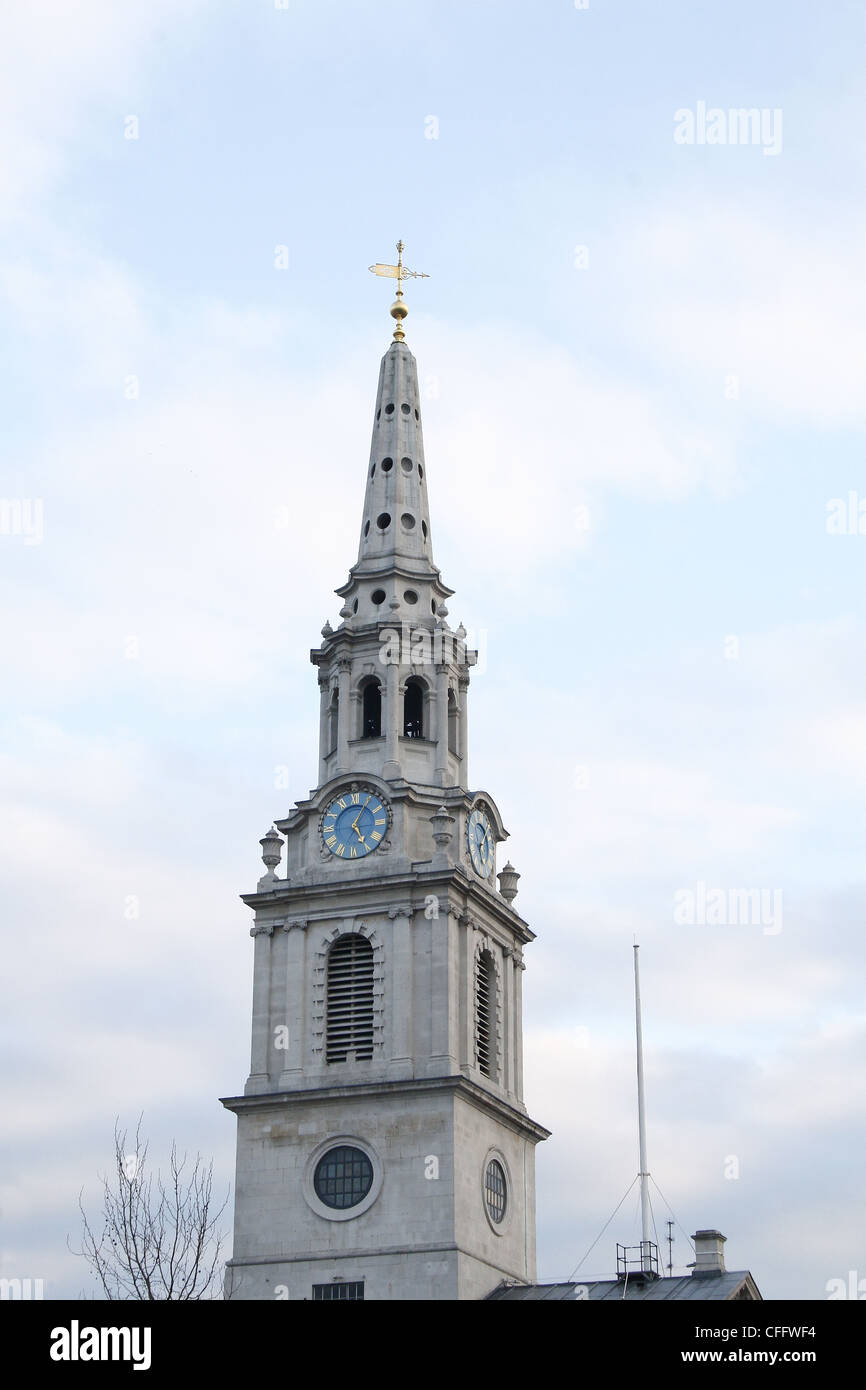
(354, 824)
(481, 847)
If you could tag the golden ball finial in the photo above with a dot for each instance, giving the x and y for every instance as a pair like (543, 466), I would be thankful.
(398, 311)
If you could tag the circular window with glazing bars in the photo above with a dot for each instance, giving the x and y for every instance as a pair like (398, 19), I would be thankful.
(495, 1192)
(343, 1177)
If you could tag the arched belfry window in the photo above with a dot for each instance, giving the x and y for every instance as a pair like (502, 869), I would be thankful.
(334, 720)
(485, 1014)
(371, 710)
(349, 1000)
(452, 721)
(413, 709)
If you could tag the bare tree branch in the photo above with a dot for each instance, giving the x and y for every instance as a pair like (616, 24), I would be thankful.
(155, 1244)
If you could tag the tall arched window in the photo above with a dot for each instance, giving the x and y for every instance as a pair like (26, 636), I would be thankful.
(334, 720)
(413, 709)
(485, 1014)
(371, 712)
(349, 1000)
(452, 721)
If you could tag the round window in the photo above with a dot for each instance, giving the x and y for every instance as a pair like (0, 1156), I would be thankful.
(344, 1176)
(495, 1193)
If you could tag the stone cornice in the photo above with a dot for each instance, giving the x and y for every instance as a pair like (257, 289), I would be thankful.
(297, 900)
(459, 1086)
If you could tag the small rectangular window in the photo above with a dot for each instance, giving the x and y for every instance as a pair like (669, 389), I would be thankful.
(327, 1293)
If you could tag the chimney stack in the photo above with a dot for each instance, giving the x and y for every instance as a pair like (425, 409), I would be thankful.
(709, 1253)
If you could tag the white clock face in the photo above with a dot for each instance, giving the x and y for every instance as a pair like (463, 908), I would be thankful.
(479, 834)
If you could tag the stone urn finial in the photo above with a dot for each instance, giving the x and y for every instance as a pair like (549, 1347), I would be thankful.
(508, 879)
(443, 828)
(327, 629)
(272, 853)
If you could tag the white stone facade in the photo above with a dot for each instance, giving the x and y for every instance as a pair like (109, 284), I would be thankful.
(433, 1100)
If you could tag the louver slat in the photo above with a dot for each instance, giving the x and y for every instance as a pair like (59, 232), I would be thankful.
(485, 1013)
(349, 1000)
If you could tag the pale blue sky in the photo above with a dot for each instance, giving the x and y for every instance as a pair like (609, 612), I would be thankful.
(546, 388)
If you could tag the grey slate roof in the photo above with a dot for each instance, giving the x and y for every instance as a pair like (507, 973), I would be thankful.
(706, 1287)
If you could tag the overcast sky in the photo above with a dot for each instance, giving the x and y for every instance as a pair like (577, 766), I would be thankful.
(642, 365)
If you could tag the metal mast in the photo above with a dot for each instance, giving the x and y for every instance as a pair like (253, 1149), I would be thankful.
(646, 1260)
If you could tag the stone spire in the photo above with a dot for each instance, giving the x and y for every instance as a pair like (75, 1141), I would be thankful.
(394, 574)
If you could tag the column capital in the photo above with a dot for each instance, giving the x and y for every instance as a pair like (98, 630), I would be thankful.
(263, 929)
(402, 910)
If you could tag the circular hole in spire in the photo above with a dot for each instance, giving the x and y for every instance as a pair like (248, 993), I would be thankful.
(387, 465)
(406, 465)
(383, 520)
(424, 529)
(410, 596)
(367, 529)
(378, 596)
(405, 408)
(389, 409)
(407, 521)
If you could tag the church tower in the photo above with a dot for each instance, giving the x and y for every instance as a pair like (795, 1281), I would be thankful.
(384, 1150)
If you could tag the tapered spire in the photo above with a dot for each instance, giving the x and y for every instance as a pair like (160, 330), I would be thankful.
(395, 568)
(396, 521)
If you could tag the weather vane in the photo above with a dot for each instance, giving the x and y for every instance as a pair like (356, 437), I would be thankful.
(399, 273)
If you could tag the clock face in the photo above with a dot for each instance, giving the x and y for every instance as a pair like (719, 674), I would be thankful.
(480, 836)
(354, 824)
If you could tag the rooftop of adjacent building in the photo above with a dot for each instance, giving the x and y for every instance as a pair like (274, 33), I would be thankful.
(724, 1287)
(709, 1281)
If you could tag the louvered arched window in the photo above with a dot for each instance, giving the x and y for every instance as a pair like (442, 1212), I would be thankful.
(485, 1014)
(349, 1000)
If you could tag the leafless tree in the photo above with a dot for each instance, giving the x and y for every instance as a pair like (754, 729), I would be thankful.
(158, 1241)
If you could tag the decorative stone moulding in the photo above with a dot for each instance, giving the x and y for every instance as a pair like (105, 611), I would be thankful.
(319, 979)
